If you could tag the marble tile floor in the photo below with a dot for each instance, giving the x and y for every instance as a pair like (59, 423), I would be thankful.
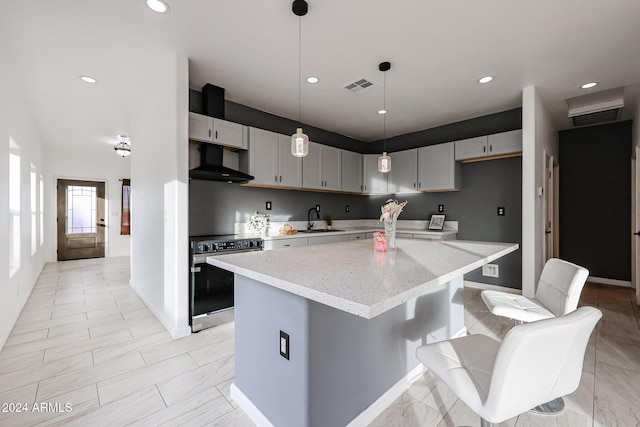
(87, 351)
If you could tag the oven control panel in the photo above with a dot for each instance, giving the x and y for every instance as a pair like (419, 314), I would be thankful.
(206, 247)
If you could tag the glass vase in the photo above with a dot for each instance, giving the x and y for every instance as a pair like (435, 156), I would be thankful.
(390, 228)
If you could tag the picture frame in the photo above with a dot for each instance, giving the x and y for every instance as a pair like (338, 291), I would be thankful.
(437, 222)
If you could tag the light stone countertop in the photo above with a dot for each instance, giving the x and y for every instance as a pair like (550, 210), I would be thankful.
(352, 277)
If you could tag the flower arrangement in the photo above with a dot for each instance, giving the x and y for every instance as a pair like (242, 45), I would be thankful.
(391, 209)
(258, 223)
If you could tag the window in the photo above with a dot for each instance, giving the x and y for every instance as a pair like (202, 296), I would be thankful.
(14, 207)
(125, 217)
(41, 211)
(34, 201)
(82, 203)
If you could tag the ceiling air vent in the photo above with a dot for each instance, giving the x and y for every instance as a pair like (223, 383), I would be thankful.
(596, 108)
(358, 85)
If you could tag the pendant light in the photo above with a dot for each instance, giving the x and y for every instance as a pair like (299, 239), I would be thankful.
(384, 161)
(123, 147)
(299, 141)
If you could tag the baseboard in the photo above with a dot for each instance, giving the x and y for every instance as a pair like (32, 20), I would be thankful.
(174, 332)
(364, 419)
(249, 408)
(614, 282)
(483, 286)
(367, 416)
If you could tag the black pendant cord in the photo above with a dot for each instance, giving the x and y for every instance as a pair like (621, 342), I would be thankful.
(384, 116)
(299, 69)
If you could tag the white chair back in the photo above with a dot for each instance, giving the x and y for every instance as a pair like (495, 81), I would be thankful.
(538, 362)
(560, 286)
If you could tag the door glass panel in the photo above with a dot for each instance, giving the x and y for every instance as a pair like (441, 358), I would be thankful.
(82, 203)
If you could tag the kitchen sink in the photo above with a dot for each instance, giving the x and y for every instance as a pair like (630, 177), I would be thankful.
(323, 230)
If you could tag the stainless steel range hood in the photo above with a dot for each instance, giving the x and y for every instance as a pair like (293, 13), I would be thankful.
(212, 169)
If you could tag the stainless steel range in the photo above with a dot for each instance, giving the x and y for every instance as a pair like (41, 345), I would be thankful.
(210, 287)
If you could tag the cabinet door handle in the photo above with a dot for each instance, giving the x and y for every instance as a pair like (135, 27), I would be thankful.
(360, 187)
(209, 133)
(490, 148)
(419, 185)
(275, 178)
(414, 185)
(216, 135)
(280, 178)
(484, 149)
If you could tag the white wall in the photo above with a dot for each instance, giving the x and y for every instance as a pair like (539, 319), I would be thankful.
(95, 163)
(16, 122)
(159, 191)
(538, 135)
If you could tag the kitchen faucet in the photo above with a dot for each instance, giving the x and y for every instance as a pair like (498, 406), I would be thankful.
(309, 223)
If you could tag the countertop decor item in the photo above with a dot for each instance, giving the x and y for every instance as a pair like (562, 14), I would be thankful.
(381, 241)
(436, 222)
(390, 212)
(329, 222)
(258, 223)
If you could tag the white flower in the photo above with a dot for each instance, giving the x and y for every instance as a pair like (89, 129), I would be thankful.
(391, 209)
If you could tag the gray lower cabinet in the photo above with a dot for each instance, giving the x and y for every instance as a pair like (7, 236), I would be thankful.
(333, 238)
(357, 236)
(285, 243)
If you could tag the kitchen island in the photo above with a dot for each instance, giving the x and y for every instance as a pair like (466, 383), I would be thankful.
(352, 318)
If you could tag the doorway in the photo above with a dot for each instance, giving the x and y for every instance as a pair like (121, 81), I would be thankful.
(549, 192)
(81, 224)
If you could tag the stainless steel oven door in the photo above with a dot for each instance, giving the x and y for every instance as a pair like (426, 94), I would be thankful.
(211, 295)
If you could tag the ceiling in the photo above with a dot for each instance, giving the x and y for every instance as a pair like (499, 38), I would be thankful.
(438, 51)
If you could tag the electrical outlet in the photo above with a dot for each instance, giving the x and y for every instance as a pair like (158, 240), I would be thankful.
(491, 270)
(284, 345)
(317, 208)
(268, 206)
(346, 208)
(441, 208)
(500, 210)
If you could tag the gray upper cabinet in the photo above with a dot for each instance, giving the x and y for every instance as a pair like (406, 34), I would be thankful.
(471, 148)
(270, 160)
(322, 168)
(490, 146)
(217, 131)
(403, 177)
(438, 169)
(373, 181)
(351, 171)
(505, 143)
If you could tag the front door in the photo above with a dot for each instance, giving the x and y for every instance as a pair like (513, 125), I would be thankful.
(81, 222)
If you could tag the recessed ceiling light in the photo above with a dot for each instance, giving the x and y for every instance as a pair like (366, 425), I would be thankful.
(382, 111)
(88, 79)
(312, 80)
(485, 79)
(588, 85)
(158, 6)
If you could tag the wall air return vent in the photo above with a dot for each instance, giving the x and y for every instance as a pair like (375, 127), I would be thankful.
(596, 108)
(359, 86)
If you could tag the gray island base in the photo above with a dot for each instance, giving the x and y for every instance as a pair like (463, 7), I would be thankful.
(354, 318)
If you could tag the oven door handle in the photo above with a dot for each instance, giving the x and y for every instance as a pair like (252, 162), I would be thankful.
(196, 269)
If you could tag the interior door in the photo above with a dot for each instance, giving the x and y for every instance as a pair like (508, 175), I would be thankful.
(635, 246)
(549, 223)
(81, 224)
